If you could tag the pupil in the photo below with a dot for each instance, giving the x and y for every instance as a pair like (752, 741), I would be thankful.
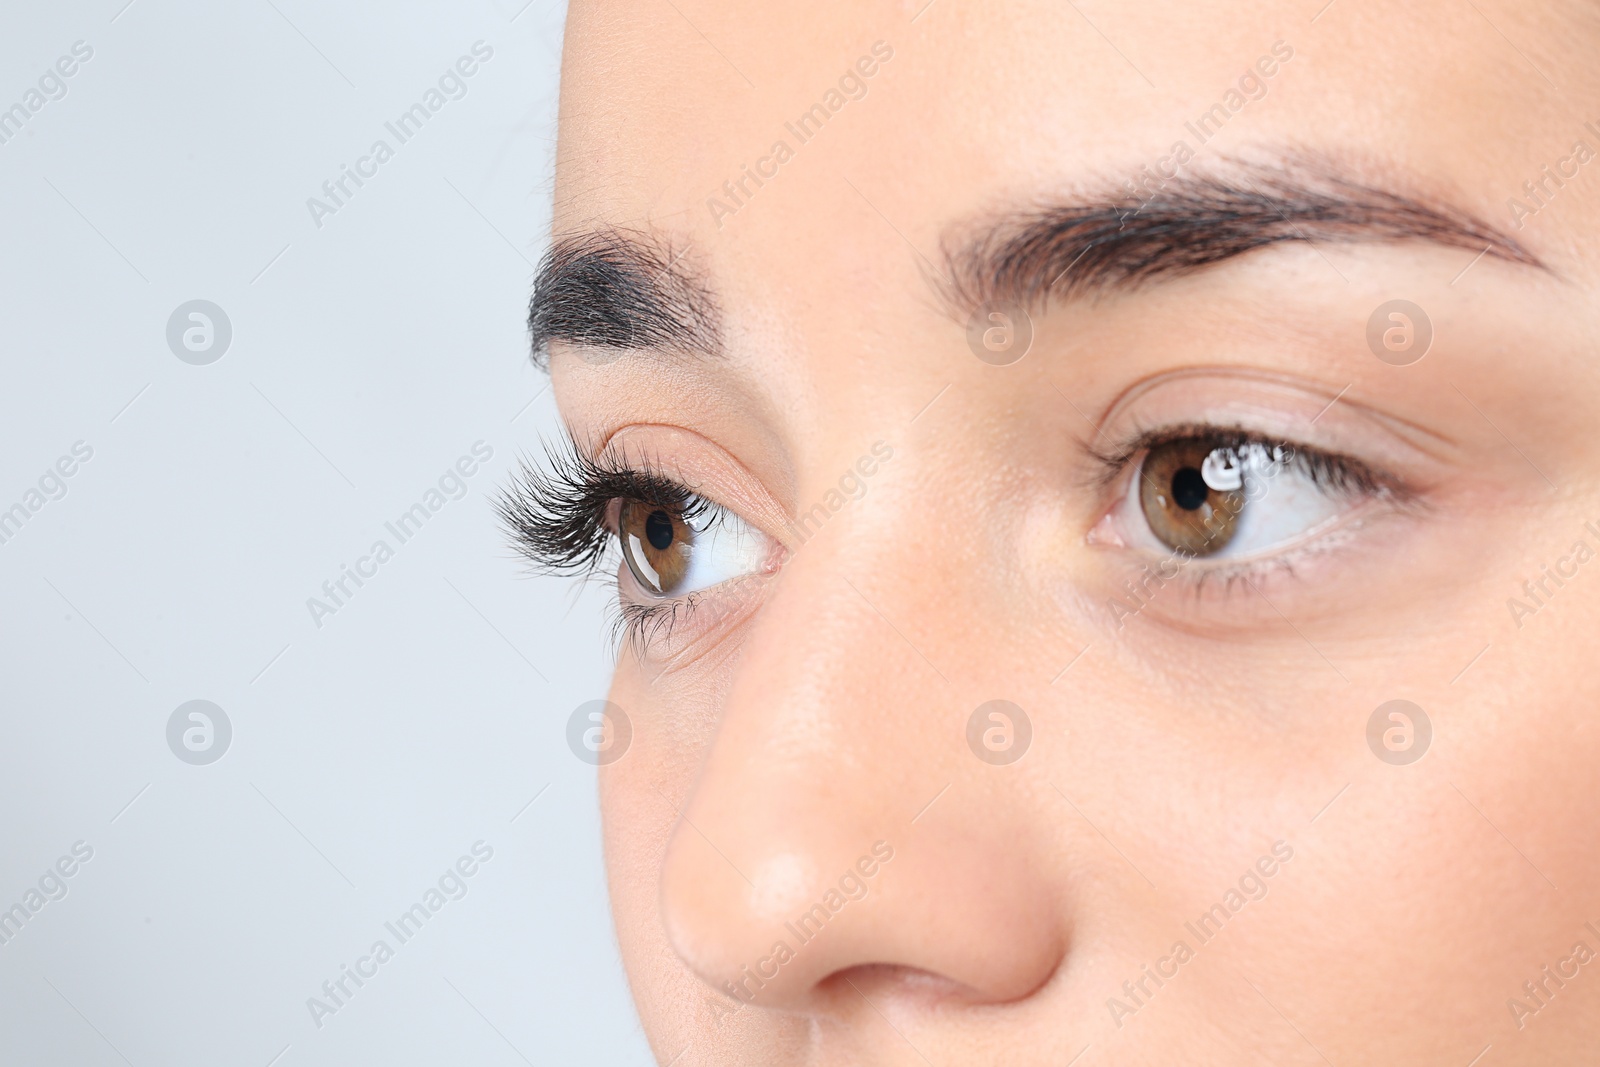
(1189, 489)
(658, 527)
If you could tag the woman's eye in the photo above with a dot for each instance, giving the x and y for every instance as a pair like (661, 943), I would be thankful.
(673, 551)
(1207, 497)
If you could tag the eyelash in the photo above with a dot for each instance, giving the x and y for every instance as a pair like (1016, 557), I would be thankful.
(559, 515)
(1331, 472)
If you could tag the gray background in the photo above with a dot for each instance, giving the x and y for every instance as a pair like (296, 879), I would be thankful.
(367, 356)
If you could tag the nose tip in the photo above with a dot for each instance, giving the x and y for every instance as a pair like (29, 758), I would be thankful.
(744, 927)
(940, 916)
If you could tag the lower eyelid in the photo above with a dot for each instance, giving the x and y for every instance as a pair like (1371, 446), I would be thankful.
(1256, 592)
(654, 621)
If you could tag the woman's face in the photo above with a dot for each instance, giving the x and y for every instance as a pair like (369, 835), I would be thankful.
(1045, 440)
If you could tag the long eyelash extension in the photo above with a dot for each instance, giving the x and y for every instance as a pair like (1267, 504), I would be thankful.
(1327, 470)
(642, 625)
(558, 516)
(557, 512)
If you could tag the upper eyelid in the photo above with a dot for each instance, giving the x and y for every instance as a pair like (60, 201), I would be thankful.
(1115, 460)
(1353, 470)
(1143, 440)
(556, 510)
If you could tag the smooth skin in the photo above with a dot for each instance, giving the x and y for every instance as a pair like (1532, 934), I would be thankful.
(787, 725)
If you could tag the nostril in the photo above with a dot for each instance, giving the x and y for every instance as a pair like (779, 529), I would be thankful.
(880, 984)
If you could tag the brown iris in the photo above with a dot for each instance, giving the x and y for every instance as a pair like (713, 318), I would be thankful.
(1184, 512)
(655, 544)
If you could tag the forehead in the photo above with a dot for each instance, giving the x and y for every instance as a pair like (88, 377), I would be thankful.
(673, 114)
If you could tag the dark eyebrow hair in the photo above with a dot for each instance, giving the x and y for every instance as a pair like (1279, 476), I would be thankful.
(614, 289)
(1119, 240)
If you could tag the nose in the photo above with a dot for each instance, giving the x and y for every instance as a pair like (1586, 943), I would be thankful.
(842, 839)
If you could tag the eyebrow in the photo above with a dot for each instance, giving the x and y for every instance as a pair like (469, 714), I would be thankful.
(1118, 240)
(614, 289)
(629, 290)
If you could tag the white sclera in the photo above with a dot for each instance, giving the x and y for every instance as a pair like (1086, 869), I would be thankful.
(722, 547)
(1282, 502)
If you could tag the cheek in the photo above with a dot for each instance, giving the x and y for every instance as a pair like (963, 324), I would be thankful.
(637, 821)
(1417, 894)
(673, 720)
